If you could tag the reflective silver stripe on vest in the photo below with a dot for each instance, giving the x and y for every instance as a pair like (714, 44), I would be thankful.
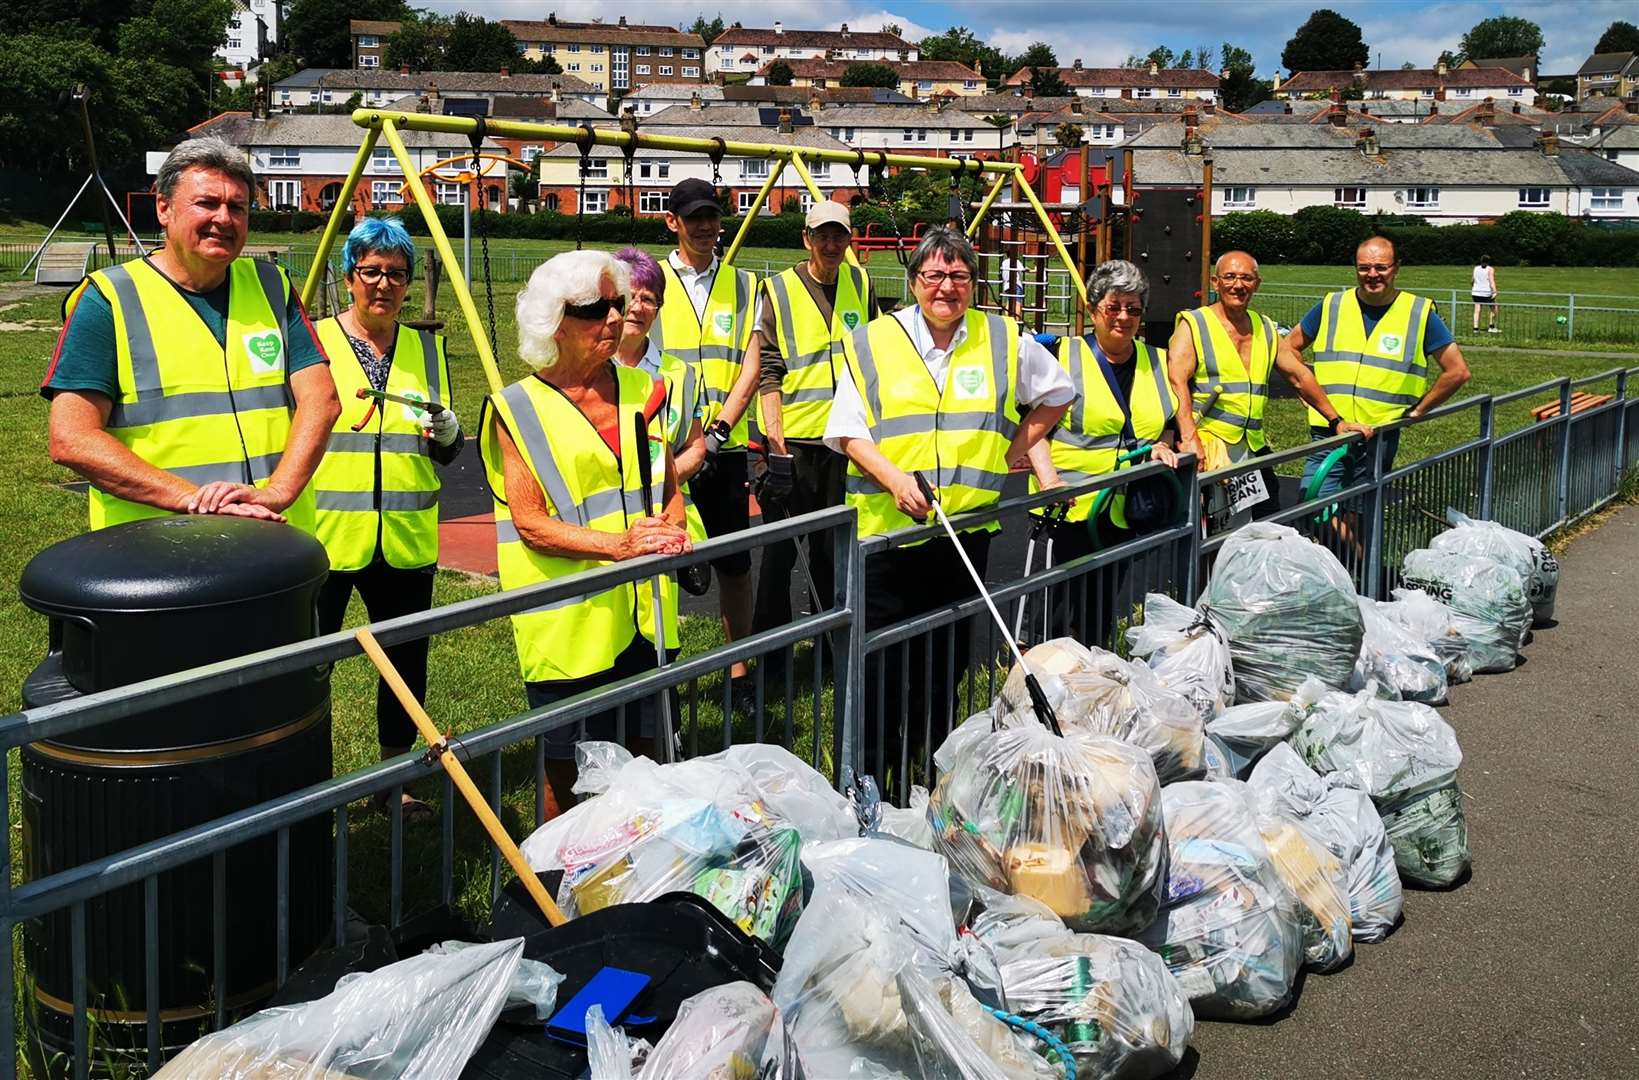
(685, 408)
(1209, 354)
(1228, 388)
(1351, 390)
(1081, 441)
(715, 396)
(158, 409)
(788, 340)
(139, 339)
(1334, 304)
(1271, 334)
(539, 451)
(363, 442)
(867, 367)
(1078, 362)
(946, 476)
(273, 287)
(1158, 372)
(1246, 422)
(261, 467)
(366, 500)
(917, 423)
(807, 394)
(429, 358)
(1410, 361)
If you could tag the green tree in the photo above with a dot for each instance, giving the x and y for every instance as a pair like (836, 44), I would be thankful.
(476, 44)
(893, 28)
(1203, 58)
(1501, 35)
(1038, 55)
(1068, 135)
(1619, 36)
(710, 31)
(418, 43)
(318, 33)
(1325, 42)
(780, 74)
(1046, 82)
(1188, 59)
(870, 75)
(1161, 57)
(963, 46)
(1239, 87)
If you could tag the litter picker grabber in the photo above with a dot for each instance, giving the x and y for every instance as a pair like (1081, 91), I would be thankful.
(1039, 525)
(379, 397)
(1038, 696)
(802, 552)
(645, 473)
(446, 757)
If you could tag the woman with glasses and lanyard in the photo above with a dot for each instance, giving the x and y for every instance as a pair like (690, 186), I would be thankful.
(1123, 402)
(564, 453)
(376, 489)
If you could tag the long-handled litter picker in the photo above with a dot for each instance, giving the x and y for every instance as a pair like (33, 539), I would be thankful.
(1038, 696)
(380, 397)
(1041, 525)
(645, 474)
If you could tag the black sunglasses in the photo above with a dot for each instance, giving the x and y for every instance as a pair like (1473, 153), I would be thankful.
(597, 309)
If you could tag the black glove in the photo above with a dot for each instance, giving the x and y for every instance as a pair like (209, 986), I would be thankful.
(716, 435)
(777, 479)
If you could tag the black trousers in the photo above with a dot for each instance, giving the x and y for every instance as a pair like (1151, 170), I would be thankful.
(917, 678)
(641, 716)
(819, 473)
(387, 592)
(1088, 608)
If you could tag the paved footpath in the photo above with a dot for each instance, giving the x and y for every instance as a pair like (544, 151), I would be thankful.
(1530, 968)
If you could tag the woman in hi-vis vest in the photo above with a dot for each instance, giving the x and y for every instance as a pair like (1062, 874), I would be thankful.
(376, 490)
(564, 452)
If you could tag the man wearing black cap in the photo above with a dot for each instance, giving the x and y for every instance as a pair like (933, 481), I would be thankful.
(707, 320)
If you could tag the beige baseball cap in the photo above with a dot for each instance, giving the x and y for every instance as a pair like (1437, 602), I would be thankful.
(827, 213)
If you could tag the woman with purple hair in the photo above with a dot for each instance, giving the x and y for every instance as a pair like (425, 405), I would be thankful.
(685, 392)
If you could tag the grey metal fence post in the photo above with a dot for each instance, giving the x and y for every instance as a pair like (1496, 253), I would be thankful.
(1192, 572)
(1564, 450)
(1374, 527)
(1570, 317)
(8, 979)
(1488, 432)
(1621, 432)
(848, 692)
(1456, 312)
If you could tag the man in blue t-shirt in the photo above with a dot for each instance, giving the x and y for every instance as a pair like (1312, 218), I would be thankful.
(203, 199)
(1376, 267)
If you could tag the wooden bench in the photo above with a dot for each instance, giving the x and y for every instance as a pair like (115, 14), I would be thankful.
(1580, 402)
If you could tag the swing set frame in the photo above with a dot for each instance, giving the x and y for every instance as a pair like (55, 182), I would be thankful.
(380, 124)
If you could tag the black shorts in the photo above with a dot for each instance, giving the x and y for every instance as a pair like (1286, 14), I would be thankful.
(1484, 299)
(724, 503)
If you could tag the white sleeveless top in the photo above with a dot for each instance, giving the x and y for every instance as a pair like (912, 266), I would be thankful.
(1482, 282)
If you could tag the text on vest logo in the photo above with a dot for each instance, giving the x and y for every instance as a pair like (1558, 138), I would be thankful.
(724, 322)
(265, 350)
(850, 319)
(971, 383)
(1392, 343)
(412, 412)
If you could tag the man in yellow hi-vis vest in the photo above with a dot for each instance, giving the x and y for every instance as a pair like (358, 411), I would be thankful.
(1372, 346)
(807, 311)
(192, 381)
(1228, 350)
(960, 396)
(707, 318)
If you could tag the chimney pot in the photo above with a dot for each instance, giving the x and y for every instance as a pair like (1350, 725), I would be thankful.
(1439, 93)
(506, 72)
(1077, 64)
(552, 18)
(1287, 108)
(1441, 69)
(695, 102)
(1549, 142)
(1336, 95)
(1075, 105)
(779, 27)
(1339, 115)
(1632, 105)
(404, 69)
(1516, 108)
(1127, 92)
(622, 20)
(785, 124)
(1155, 69)
(845, 34)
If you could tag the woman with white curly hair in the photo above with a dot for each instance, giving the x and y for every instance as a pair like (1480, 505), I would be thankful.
(561, 453)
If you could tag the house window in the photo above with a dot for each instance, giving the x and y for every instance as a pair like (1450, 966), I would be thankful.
(862, 54)
(233, 43)
(382, 160)
(966, 134)
(727, 65)
(805, 201)
(1428, 91)
(1516, 91)
(574, 47)
(691, 54)
(1465, 91)
(651, 202)
(369, 41)
(284, 97)
(643, 50)
(597, 169)
(1144, 91)
(597, 67)
(1240, 198)
(530, 153)
(1606, 198)
(284, 194)
(1350, 198)
(369, 60)
(574, 66)
(754, 168)
(924, 84)
(449, 194)
(385, 193)
(970, 84)
(654, 170)
(691, 72)
(665, 69)
(284, 157)
(594, 202)
(1173, 91)
(921, 134)
(819, 170)
(665, 50)
(643, 69)
(1423, 198)
(598, 49)
(325, 96)
(1533, 198)
(746, 198)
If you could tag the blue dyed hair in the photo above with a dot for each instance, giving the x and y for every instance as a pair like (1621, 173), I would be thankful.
(386, 235)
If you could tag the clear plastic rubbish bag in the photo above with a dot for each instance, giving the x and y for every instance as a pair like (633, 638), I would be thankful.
(1404, 667)
(1095, 692)
(1287, 607)
(911, 883)
(534, 983)
(1528, 556)
(1229, 931)
(1110, 1000)
(1337, 810)
(1488, 592)
(1407, 757)
(722, 1033)
(417, 1019)
(1316, 877)
(1247, 732)
(1187, 652)
(1073, 821)
(1446, 632)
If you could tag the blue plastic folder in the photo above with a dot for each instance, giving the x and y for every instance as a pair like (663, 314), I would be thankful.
(613, 988)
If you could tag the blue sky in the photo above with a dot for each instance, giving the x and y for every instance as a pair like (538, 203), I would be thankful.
(1104, 34)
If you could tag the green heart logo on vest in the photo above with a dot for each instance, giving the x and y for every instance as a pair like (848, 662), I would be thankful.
(412, 412)
(265, 350)
(671, 418)
(723, 321)
(1392, 343)
(970, 382)
(850, 319)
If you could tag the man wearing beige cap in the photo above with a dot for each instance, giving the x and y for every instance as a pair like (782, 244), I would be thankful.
(806, 312)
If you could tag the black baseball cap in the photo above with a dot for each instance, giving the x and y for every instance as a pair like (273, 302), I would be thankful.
(692, 195)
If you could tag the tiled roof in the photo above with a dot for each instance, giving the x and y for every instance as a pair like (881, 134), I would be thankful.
(601, 33)
(940, 70)
(1395, 79)
(1610, 63)
(811, 137)
(1165, 78)
(311, 129)
(810, 39)
(491, 82)
(373, 26)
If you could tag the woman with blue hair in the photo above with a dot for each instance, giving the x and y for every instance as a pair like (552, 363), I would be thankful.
(376, 489)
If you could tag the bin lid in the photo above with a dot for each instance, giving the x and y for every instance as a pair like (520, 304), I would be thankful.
(170, 563)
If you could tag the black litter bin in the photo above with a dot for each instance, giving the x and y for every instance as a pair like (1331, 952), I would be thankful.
(129, 603)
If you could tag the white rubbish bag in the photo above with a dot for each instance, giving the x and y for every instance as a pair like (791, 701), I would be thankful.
(724, 1032)
(1446, 631)
(1404, 667)
(1528, 556)
(1247, 732)
(1187, 652)
(1487, 591)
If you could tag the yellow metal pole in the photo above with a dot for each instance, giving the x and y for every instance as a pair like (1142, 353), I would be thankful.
(332, 228)
(751, 215)
(1058, 241)
(814, 190)
(984, 207)
(458, 282)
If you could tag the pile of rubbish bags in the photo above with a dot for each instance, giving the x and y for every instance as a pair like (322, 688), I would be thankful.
(1242, 801)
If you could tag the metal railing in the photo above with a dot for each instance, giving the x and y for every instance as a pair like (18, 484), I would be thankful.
(1522, 317)
(823, 680)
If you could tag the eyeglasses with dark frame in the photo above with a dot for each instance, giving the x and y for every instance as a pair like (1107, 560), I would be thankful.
(961, 279)
(372, 275)
(597, 310)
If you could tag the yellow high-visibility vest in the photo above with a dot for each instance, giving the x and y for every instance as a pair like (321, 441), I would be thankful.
(584, 485)
(201, 409)
(1371, 379)
(1089, 440)
(683, 393)
(716, 341)
(958, 438)
(1239, 408)
(377, 489)
(811, 348)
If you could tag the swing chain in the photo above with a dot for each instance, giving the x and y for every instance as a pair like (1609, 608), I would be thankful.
(628, 124)
(477, 140)
(585, 141)
(954, 210)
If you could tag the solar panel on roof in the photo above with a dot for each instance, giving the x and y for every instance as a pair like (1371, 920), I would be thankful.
(466, 106)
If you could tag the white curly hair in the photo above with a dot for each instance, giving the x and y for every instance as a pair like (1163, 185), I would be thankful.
(574, 277)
